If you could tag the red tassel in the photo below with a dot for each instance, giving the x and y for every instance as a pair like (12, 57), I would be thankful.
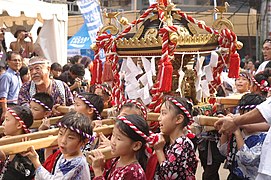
(166, 71)
(107, 72)
(234, 65)
(191, 135)
(96, 77)
(100, 72)
(212, 100)
(151, 167)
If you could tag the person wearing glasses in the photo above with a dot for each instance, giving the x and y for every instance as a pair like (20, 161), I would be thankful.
(10, 83)
(39, 69)
(266, 54)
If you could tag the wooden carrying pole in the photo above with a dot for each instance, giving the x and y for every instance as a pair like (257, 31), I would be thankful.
(36, 124)
(39, 140)
(106, 152)
(150, 117)
(23, 146)
(229, 100)
(31, 136)
(207, 120)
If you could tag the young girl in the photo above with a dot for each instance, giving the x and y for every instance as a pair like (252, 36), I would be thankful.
(128, 142)
(261, 83)
(67, 163)
(243, 155)
(242, 83)
(89, 104)
(104, 91)
(18, 121)
(127, 107)
(130, 106)
(177, 158)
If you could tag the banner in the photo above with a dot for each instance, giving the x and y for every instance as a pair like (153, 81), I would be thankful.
(79, 44)
(91, 12)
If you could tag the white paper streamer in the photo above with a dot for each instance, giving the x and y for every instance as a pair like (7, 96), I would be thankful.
(213, 59)
(205, 89)
(208, 73)
(181, 76)
(153, 66)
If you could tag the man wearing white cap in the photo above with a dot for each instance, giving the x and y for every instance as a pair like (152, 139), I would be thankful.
(40, 82)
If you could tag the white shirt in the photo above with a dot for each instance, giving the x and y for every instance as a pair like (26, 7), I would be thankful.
(66, 169)
(265, 162)
(261, 67)
(87, 75)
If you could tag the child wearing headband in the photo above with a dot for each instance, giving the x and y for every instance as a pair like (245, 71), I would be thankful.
(17, 122)
(131, 106)
(242, 83)
(243, 149)
(127, 107)
(68, 162)
(89, 104)
(176, 157)
(261, 83)
(104, 91)
(128, 143)
(41, 105)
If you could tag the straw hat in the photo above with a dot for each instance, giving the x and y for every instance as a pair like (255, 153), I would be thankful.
(17, 29)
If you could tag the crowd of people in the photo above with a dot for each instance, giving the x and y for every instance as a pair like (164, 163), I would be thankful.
(34, 90)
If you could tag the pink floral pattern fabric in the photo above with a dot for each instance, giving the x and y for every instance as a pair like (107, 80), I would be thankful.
(131, 171)
(181, 161)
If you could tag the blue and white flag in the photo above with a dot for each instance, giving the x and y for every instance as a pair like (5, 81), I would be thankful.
(91, 12)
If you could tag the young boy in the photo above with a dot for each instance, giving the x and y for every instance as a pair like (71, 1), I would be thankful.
(41, 106)
(243, 148)
(18, 121)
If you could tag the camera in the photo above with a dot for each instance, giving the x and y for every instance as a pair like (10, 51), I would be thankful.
(26, 34)
(84, 83)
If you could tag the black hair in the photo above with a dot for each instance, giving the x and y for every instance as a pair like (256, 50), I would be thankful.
(142, 125)
(251, 99)
(23, 71)
(264, 75)
(9, 54)
(78, 121)
(95, 100)
(4, 45)
(25, 114)
(45, 98)
(66, 67)
(78, 70)
(18, 32)
(56, 67)
(267, 41)
(105, 85)
(131, 106)
(187, 105)
(75, 59)
(85, 61)
(268, 65)
(244, 74)
(105, 94)
(38, 30)
(2, 68)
